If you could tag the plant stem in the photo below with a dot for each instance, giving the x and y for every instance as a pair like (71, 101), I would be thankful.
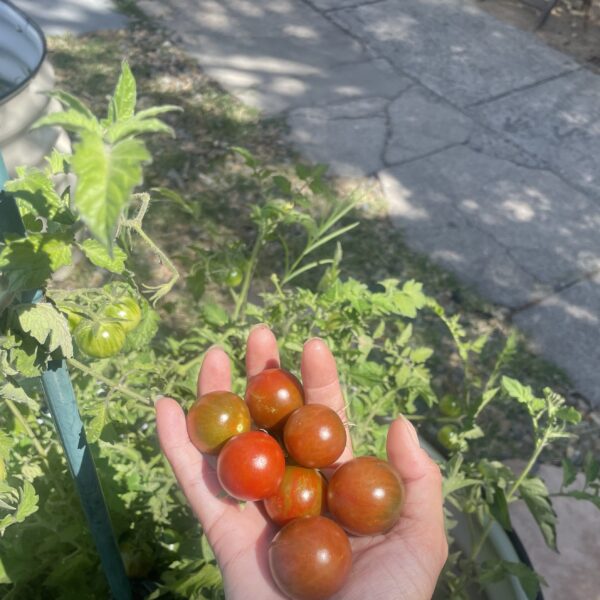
(113, 384)
(19, 416)
(240, 305)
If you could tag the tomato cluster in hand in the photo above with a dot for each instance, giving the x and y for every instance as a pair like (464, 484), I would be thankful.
(311, 557)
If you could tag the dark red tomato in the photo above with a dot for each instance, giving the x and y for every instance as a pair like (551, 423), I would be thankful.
(214, 418)
(314, 436)
(365, 496)
(251, 466)
(310, 558)
(272, 396)
(302, 493)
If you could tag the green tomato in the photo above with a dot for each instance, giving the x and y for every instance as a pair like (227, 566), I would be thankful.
(446, 436)
(127, 311)
(100, 340)
(73, 318)
(234, 277)
(450, 406)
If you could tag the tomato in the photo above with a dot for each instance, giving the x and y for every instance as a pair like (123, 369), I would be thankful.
(214, 418)
(450, 406)
(366, 495)
(272, 395)
(99, 340)
(127, 311)
(314, 436)
(234, 277)
(447, 437)
(302, 493)
(251, 466)
(137, 560)
(310, 558)
(73, 317)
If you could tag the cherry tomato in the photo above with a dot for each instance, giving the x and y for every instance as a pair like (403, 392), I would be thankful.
(450, 406)
(302, 493)
(73, 317)
(99, 340)
(310, 558)
(365, 495)
(127, 311)
(447, 437)
(251, 466)
(314, 436)
(214, 418)
(272, 395)
(234, 277)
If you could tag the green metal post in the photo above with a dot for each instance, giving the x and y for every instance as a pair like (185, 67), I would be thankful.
(60, 396)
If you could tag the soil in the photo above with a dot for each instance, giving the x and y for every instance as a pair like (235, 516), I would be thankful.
(571, 28)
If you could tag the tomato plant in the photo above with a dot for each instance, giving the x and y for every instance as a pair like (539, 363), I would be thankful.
(272, 395)
(366, 495)
(314, 436)
(251, 466)
(214, 418)
(126, 311)
(310, 558)
(99, 339)
(302, 493)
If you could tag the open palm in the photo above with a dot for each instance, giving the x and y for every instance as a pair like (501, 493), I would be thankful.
(403, 564)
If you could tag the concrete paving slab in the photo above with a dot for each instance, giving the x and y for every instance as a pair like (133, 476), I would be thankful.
(57, 17)
(420, 123)
(521, 212)
(572, 572)
(453, 48)
(565, 328)
(350, 137)
(559, 121)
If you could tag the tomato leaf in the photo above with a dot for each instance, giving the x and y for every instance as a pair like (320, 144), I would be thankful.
(492, 572)
(97, 254)
(106, 176)
(535, 494)
(16, 393)
(28, 502)
(46, 325)
(125, 96)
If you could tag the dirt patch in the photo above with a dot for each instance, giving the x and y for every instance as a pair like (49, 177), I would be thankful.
(571, 28)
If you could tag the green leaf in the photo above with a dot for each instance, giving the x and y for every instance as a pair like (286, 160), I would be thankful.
(94, 427)
(420, 355)
(153, 111)
(522, 394)
(143, 334)
(248, 157)
(283, 183)
(72, 102)
(499, 508)
(17, 394)
(106, 177)
(569, 472)
(579, 495)
(214, 314)
(591, 468)
(569, 414)
(97, 254)
(125, 96)
(35, 193)
(71, 120)
(28, 502)
(46, 325)
(134, 126)
(492, 572)
(535, 494)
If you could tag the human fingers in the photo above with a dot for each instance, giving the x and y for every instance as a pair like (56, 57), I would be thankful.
(215, 373)
(261, 350)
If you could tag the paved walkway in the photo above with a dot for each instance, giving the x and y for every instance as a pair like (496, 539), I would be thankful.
(486, 142)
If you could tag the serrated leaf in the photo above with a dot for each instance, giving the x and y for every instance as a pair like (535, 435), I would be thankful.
(97, 254)
(283, 183)
(569, 414)
(569, 472)
(125, 96)
(106, 176)
(535, 494)
(420, 355)
(499, 508)
(492, 572)
(95, 426)
(46, 325)
(214, 314)
(248, 157)
(34, 192)
(71, 120)
(143, 334)
(28, 502)
(134, 126)
(72, 102)
(17, 394)
(579, 495)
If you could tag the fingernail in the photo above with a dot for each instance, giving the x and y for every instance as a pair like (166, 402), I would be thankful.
(315, 339)
(412, 431)
(214, 347)
(259, 326)
(157, 398)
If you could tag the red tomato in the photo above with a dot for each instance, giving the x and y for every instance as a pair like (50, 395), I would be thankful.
(214, 418)
(314, 436)
(251, 466)
(310, 558)
(302, 493)
(272, 395)
(365, 496)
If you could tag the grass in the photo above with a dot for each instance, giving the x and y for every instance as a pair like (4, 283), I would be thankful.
(199, 165)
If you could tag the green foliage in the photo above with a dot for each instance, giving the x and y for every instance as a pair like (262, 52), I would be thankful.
(376, 333)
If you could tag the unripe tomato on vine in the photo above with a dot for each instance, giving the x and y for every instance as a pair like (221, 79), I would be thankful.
(101, 339)
(127, 311)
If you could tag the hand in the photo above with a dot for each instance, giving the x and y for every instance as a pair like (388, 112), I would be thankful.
(403, 564)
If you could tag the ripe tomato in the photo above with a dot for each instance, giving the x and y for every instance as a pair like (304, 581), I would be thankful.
(272, 395)
(450, 406)
(127, 311)
(99, 340)
(251, 466)
(310, 558)
(447, 437)
(302, 493)
(365, 495)
(214, 418)
(314, 436)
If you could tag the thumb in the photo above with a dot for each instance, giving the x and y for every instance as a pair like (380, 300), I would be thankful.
(422, 478)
